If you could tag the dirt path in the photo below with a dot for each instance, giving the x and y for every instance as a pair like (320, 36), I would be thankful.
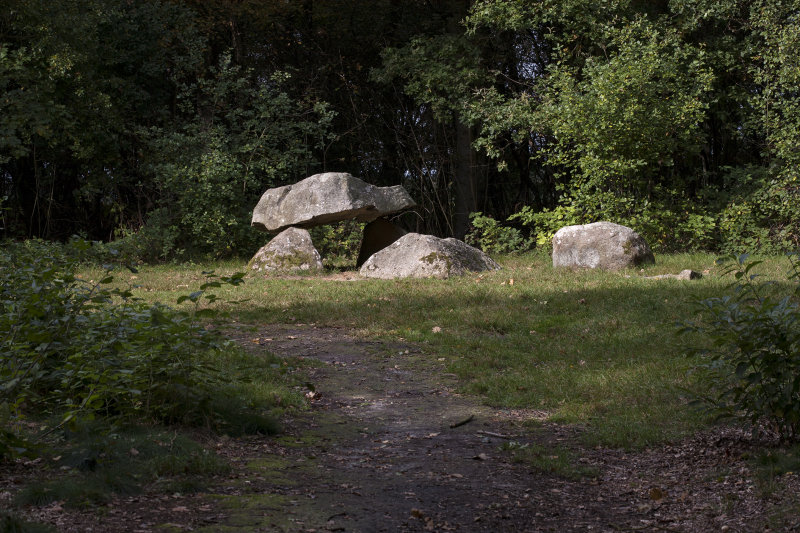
(388, 445)
(382, 450)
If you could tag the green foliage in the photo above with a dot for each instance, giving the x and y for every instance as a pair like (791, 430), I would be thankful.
(118, 115)
(665, 229)
(776, 25)
(83, 349)
(236, 139)
(440, 70)
(338, 243)
(761, 211)
(157, 123)
(620, 119)
(753, 360)
(618, 123)
(80, 78)
(544, 224)
(493, 238)
(653, 115)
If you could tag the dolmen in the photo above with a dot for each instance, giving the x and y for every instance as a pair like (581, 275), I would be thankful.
(387, 251)
(603, 245)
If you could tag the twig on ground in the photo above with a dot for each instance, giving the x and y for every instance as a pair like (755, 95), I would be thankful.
(497, 435)
(467, 420)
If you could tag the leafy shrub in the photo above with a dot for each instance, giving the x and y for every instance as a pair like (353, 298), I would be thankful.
(753, 361)
(762, 213)
(667, 227)
(492, 237)
(211, 168)
(544, 224)
(81, 349)
(338, 244)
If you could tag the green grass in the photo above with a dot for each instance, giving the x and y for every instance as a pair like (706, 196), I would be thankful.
(556, 460)
(91, 466)
(592, 348)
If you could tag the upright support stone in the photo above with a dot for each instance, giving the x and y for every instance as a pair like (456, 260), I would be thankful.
(378, 234)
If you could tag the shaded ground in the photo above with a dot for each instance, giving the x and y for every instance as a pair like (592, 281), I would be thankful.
(389, 446)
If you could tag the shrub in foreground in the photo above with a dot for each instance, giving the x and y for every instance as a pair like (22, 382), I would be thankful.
(83, 349)
(752, 361)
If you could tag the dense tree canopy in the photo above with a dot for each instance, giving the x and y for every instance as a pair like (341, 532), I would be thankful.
(161, 121)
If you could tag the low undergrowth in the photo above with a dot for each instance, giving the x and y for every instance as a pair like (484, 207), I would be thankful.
(752, 352)
(92, 376)
(92, 466)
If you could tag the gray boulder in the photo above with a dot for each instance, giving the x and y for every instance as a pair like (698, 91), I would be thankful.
(425, 256)
(602, 245)
(290, 250)
(325, 199)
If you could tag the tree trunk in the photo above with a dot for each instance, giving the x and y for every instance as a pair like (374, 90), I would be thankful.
(468, 180)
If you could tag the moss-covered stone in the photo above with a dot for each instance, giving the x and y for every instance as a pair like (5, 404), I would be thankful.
(291, 250)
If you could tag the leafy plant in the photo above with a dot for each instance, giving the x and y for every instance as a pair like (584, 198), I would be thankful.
(338, 243)
(492, 237)
(85, 349)
(753, 361)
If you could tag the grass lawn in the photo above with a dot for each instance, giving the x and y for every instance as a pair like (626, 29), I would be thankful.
(590, 348)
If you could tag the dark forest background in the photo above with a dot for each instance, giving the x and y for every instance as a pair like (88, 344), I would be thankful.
(159, 123)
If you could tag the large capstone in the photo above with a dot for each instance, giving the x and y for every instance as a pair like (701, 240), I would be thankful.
(603, 245)
(426, 256)
(326, 199)
(290, 250)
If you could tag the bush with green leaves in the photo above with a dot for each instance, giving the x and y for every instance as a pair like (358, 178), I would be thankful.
(238, 138)
(752, 360)
(80, 349)
(338, 244)
(761, 210)
(666, 228)
(492, 237)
